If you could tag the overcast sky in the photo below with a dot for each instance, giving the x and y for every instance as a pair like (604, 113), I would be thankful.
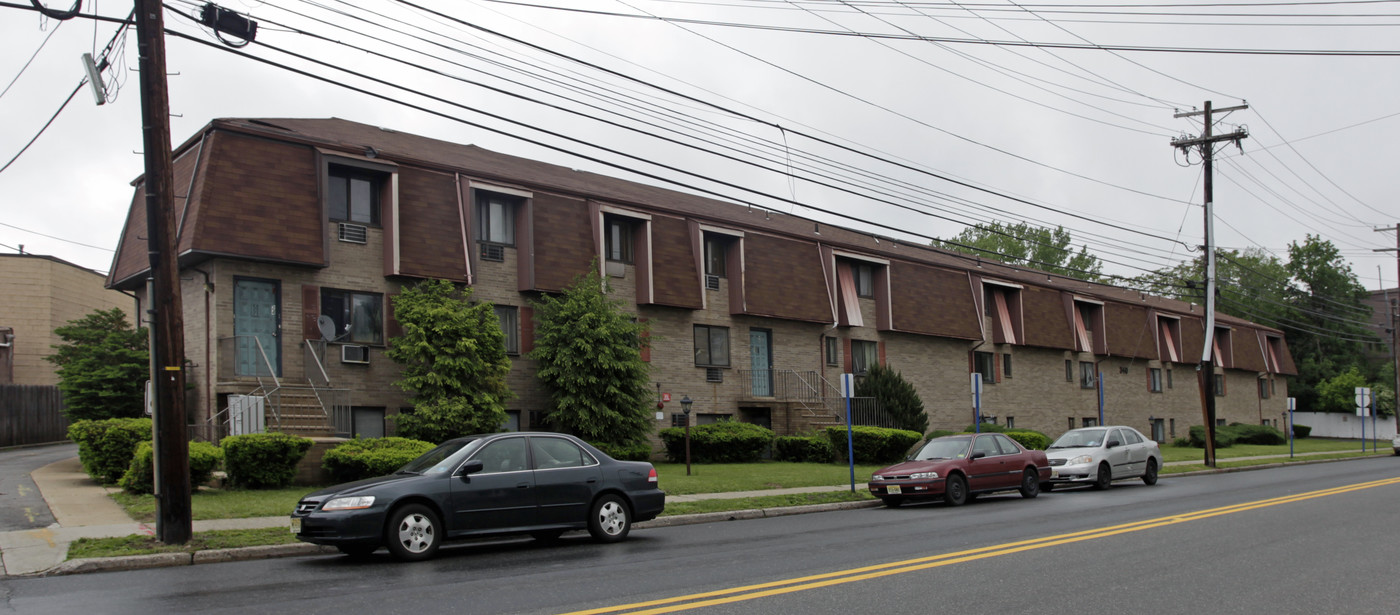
(921, 126)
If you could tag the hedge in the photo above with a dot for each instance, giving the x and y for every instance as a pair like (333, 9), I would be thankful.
(722, 442)
(873, 444)
(1302, 431)
(803, 449)
(370, 457)
(263, 460)
(1032, 440)
(106, 447)
(1228, 435)
(625, 452)
(140, 475)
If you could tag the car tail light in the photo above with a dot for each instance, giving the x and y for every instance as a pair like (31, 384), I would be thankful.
(651, 478)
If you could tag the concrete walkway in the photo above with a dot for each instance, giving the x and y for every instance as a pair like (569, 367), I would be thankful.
(83, 509)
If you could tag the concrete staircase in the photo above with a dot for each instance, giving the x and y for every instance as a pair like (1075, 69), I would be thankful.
(299, 412)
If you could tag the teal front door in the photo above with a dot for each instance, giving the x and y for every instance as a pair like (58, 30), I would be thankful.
(256, 322)
(761, 361)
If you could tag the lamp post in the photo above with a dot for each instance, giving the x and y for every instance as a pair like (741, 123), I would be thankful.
(685, 407)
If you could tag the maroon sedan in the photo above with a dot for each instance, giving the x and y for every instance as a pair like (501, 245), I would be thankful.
(959, 467)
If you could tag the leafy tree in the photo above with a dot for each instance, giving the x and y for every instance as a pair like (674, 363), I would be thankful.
(1338, 393)
(455, 364)
(589, 357)
(1324, 332)
(895, 396)
(1026, 245)
(1253, 284)
(103, 365)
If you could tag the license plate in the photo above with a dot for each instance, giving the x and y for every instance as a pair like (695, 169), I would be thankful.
(296, 525)
(894, 490)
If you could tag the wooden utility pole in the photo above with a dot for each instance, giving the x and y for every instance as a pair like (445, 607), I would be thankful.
(172, 458)
(1394, 307)
(1206, 144)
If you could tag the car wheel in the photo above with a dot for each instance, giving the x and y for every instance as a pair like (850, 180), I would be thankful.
(1030, 484)
(1150, 476)
(892, 502)
(414, 533)
(955, 491)
(1047, 487)
(610, 520)
(547, 535)
(357, 551)
(1105, 478)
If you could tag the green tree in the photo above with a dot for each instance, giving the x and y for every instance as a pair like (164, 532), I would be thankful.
(589, 358)
(1252, 284)
(1338, 393)
(896, 397)
(103, 365)
(1026, 245)
(1325, 330)
(454, 363)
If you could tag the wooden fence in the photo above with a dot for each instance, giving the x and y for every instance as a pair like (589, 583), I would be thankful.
(31, 415)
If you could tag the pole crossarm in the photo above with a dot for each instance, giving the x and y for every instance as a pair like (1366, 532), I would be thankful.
(1185, 142)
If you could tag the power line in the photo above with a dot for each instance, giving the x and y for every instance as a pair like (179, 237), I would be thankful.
(61, 107)
(31, 59)
(76, 243)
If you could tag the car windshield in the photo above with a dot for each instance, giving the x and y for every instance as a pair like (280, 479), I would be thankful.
(943, 448)
(1079, 438)
(441, 459)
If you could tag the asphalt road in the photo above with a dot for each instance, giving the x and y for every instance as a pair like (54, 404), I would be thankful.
(22, 507)
(1309, 539)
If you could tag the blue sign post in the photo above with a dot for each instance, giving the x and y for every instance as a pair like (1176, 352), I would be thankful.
(848, 390)
(1292, 405)
(977, 402)
(1100, 383)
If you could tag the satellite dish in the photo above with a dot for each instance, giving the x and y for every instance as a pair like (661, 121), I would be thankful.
(327, 327)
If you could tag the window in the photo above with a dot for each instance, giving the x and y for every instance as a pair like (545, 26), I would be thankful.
(1007, 445)
(354, 194)
(864, 355)
(1131, 436)
(1220, 385)
(1087, 375)
(618, 239)
(982, 364)
(987, 445)
(1002, 304)
(1090, 421)
(359, 317)
(367, 422)
(1071, 422)
(678, 419)
(1006, 366)
(711, 346)
(833, 351)
(1154, 379)
(1069, 372)
(553, 453)
(865, 280)
(1169, 378)
(716, 256)
(495, 218)
(1010, 422)
(1264, 388)
(509, 316)
(506, 455)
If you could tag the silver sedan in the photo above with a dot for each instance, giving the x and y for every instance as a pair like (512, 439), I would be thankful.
(1101, 455)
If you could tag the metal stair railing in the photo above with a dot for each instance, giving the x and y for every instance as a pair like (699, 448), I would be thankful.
(271, 395)
(339, 415)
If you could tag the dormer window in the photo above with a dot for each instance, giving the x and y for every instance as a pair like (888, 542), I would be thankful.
(495, 217)
(617, 239)
(865, 280)
(354, 194)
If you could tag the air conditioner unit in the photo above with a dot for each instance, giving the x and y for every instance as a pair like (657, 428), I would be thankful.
(712, 282)
(354, 354)
(492, 252)
(352, 233)
(714, 374)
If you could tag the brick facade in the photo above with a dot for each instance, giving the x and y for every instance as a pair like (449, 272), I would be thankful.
(37, 295)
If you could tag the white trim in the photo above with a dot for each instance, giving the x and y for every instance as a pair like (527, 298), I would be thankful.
(722, 231)
(1087, 300)
(1169, 316)
(609, 209)
(476, 185)
(330, 153)
(860, 257)
(651, 263)
(1005, 284)
(398, 230)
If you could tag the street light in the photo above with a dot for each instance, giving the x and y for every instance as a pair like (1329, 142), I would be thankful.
(685, 407)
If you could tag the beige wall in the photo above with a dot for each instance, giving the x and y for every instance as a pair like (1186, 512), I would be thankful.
(39, 294)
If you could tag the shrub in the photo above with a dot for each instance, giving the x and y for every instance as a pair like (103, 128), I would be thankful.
(640, 451)
(140, 476)
(1181, 442)
(106, 447)
(1224, 437)
(263, 460)
(939, 433)
(1302, 431)
(370, 457)
(803, 449)
(895, 395)
(986, 428)
(722, 442)
(1033, 440)
(873, 444)
(1257, 434)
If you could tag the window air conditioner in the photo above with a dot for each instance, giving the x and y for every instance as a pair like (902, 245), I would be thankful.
(714, 374)
(352, 233)
(350, 353)
(492, 252)
(712, 282)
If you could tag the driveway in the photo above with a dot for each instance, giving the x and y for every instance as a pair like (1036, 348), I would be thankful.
(22, 507)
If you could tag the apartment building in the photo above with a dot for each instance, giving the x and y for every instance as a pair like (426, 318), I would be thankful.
(38, 294)
(296, 234)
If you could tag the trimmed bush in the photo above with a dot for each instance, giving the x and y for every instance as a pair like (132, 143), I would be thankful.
(263, 460)
(140, 476)
(939, 433)
(1224, 437)
(640, 451)
(1257, 434)
(1181, 442)
(986, 428)
(371, 457)
(873, 444)
(1032, 440)
(722, 442)
(106, 447)
(1302, 431)
(803, 449)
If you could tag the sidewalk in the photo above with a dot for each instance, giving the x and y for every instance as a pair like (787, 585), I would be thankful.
(82, 509)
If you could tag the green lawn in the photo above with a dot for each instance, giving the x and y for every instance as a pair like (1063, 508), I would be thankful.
(221, 503)
(83, 548)
(1302, 445)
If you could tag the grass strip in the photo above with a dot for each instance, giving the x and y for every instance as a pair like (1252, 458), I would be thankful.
(766, 501)
(221, 503)
(1221, 463)
(84, 548)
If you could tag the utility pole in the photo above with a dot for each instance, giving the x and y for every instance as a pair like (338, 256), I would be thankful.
(1394, 305)
(1206, 144)
(172, 482)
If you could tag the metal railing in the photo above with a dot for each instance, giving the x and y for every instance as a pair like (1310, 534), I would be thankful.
(337, 400)
(817, 397)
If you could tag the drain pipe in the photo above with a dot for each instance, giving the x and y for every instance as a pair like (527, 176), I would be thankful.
(208, 349)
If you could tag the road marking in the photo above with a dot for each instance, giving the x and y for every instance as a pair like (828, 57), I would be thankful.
(774, 588)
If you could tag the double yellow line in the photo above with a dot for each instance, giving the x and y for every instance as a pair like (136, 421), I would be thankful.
(774, 588)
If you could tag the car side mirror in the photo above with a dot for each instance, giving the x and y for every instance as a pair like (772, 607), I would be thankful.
(979, 455)
(472, 467)
(1113, 443)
